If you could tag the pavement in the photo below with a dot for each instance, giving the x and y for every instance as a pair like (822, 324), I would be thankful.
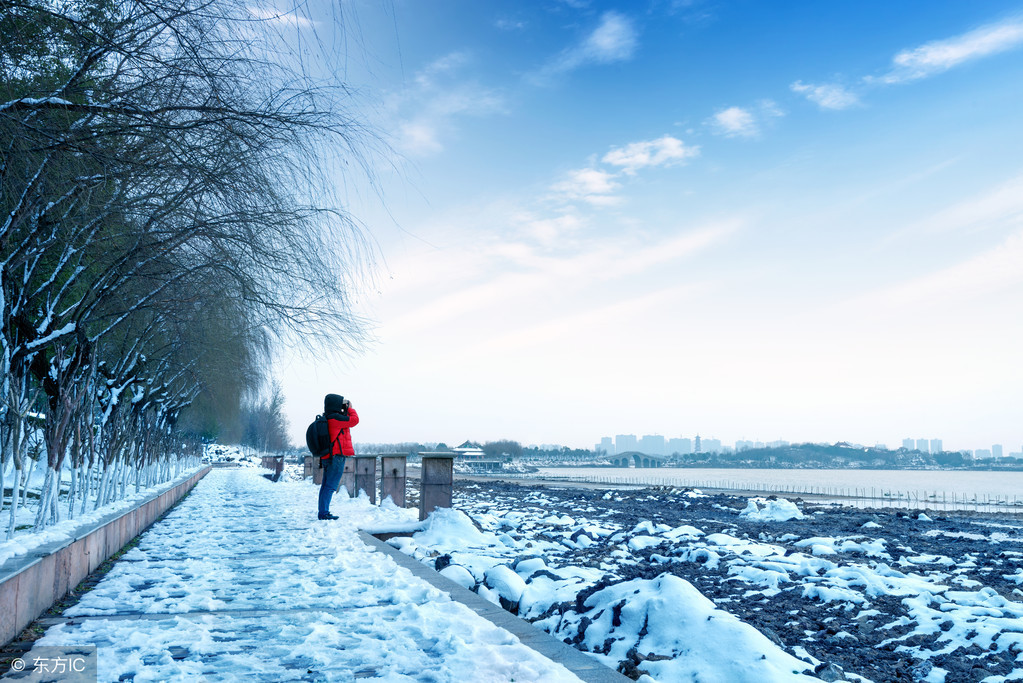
(240, 582)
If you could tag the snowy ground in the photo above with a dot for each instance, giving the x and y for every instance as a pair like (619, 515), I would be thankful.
(682, 587)
(25, 540)
(25, 534)
(241, 582)
(666, 585)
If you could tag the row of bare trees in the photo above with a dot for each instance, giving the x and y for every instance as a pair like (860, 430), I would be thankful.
(166, 217)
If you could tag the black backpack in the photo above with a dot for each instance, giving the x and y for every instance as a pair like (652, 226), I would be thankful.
(317, 437)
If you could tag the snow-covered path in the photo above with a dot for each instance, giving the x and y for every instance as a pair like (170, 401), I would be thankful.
(241, 582)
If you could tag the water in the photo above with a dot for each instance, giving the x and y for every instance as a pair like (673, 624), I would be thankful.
(933, 489)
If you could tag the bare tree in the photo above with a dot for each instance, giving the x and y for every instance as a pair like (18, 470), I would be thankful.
(158, 158)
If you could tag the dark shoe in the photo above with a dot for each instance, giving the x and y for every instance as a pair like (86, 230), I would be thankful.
(327, 515)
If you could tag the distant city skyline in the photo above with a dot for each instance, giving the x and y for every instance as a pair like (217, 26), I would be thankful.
(657, 444)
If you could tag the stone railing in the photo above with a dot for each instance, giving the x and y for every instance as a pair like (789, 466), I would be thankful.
(435, 487)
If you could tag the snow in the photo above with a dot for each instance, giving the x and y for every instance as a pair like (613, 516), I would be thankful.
(35, 101)
(242, 543)
(847, 573)
(460, 575)
(661, 618)
(325, 604)
(43, 341)
(70, 529)
(768, 510)
(505, 582)
(668, 616)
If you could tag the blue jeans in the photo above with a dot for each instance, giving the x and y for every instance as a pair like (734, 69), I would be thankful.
(332, 472)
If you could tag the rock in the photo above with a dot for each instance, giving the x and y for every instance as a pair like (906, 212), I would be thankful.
(829, 673)
(507, 583)
(864, 626)
(921, 670)
(460, 575)
(773, 637)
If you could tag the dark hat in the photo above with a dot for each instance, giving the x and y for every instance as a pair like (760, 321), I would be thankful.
(333, 403)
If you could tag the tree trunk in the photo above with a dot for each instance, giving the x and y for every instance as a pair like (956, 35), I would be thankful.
(45, 493)
(72, 492)
(15, 499)
(28, 478)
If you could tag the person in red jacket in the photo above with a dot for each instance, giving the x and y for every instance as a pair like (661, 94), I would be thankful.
(341, 417)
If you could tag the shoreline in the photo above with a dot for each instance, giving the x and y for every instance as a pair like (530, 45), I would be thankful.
(858, 594)
(859, 502)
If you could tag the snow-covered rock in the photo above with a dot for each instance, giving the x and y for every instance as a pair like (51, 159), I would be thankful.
(764, 510)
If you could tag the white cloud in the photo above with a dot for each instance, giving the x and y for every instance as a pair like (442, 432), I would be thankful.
(598, 187)
(977, 277)
(613, 40)
(510, 24)
(449, 63)
(590, 185)
(942, 55)
(770, 109)
(663, 151)
(290, 19)
(926, 60)
(744, 122)
(419, 138)
(735, 122)
(826, 96)
(427, 112)
(999, 208)
(551, 232)
(637, 310)
(487, 283)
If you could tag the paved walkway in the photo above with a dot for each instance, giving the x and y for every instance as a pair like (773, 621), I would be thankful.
(240, 582)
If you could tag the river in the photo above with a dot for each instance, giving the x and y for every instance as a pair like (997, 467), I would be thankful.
(937, 489)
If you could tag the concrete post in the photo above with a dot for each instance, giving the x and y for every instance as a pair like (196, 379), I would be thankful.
(366, 476)
(307, 470)
(317, 472)
(392, 478)
(348, 477)
(435, 484)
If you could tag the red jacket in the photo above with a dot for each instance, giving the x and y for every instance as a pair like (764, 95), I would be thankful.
(341, 433)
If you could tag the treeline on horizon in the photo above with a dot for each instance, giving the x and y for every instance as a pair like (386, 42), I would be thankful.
(809, 455)
(492, 449)
(167, 218)
(840, 456)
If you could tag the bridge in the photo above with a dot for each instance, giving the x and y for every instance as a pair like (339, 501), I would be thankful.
(637, 459)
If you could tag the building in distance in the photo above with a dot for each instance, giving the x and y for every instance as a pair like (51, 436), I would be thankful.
(652, 444)
(626, 443)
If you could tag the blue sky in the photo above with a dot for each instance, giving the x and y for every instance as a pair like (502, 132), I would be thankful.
(740, 219)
